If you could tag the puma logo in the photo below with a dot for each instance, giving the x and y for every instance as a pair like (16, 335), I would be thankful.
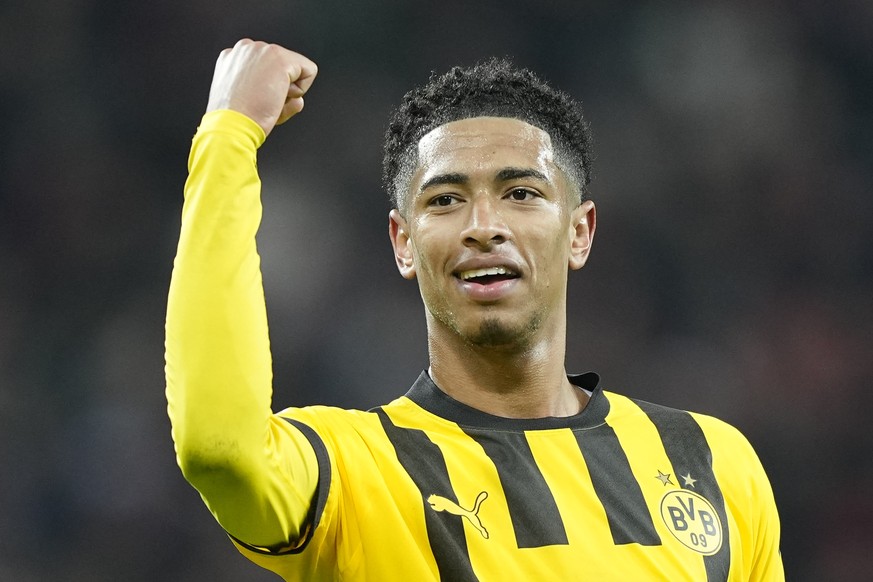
(439, 503)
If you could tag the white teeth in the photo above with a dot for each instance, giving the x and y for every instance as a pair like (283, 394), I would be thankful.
(467, 275)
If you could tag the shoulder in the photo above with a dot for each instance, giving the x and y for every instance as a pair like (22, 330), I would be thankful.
(327, 419)
(334, 423)
(669, 419)
(720, 433)
(726, 444)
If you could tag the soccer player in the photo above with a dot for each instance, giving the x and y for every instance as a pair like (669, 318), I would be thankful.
(496, 464)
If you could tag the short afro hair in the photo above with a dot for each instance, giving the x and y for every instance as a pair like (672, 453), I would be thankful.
(493, 88)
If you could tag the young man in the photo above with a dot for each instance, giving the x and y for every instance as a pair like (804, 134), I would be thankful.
(495, 465)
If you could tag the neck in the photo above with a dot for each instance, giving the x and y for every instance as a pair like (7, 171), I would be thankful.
(527, 381)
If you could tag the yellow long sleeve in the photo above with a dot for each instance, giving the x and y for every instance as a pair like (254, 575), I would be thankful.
(256, 472)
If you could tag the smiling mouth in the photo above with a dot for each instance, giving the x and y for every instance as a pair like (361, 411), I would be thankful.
(487, 275)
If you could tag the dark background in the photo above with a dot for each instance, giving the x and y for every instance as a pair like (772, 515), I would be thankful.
(732, 272)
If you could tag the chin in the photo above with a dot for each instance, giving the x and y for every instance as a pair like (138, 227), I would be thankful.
(494, 333)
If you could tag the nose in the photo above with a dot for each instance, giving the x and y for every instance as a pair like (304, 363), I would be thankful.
(485, 224)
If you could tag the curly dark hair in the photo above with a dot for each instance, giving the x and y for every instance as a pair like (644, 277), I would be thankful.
(490, 88)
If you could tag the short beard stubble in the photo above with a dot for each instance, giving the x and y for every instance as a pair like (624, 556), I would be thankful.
(493, 333)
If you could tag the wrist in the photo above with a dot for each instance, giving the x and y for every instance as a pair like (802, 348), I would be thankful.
(233, 122)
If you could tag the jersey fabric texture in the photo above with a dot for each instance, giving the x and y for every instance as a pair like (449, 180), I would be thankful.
(426, 488)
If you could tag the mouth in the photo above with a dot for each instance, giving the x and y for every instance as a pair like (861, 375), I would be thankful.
(487, 275)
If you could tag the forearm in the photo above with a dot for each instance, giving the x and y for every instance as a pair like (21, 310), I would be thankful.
(219, 371)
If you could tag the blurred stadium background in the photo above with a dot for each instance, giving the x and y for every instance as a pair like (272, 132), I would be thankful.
(732, 272)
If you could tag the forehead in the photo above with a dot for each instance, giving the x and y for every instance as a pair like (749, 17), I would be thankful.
(480, 143)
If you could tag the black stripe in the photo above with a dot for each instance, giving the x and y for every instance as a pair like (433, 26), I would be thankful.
(689, 453)
(425, 464)
(316, 507)
(630, 520)
(535, 516)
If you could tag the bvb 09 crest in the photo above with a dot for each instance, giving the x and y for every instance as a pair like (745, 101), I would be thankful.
(692, 520)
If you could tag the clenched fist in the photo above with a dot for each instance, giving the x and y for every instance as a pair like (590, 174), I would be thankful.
(262, 81)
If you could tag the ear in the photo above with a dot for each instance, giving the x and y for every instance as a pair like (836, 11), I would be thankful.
(583, 221)
(403, 255)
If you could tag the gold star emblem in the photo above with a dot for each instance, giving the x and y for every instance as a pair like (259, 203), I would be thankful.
(664, 478)
(689, 482)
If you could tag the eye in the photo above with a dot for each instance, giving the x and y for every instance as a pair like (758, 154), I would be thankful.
(443, 200)
(521, 194)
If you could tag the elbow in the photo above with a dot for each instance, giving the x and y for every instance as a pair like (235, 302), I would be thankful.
(207, 467)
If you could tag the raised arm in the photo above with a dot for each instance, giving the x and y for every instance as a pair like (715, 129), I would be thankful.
(256, 472)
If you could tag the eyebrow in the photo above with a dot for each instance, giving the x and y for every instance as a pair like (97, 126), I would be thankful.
(440, 179)
(504, 175)
(507, 174)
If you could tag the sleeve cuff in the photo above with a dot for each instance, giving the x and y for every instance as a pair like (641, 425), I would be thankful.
(234, 123)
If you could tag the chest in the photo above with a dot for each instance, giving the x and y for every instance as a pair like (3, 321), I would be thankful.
(541, 502)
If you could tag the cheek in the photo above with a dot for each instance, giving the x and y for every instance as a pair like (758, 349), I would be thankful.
(426, 257)
(553, 256)
(430, 244)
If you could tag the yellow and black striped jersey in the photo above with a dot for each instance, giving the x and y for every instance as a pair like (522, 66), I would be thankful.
(426, 488)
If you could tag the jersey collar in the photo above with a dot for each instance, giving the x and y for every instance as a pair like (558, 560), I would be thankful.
(426, 394)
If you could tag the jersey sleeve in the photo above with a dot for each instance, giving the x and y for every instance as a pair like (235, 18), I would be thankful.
(767, 564)
(750, 495)
(257, 473)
